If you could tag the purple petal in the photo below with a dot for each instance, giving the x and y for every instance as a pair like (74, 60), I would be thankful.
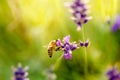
(67, 56)
(86, 20)
(81, 44)
(67, 49)
(59, 43)
(66, 39)
(116, 24)
(83, 15)
(76, 13)
(79, 24)
(19, 78)
(117, 20)
(79, 13)
(80, 8)
(114, 77)
(111, 72)
(77, 1)
(115, 27)
(73, 6)
(86, 44)
(73, 46)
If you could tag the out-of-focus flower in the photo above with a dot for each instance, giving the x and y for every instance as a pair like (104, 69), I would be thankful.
(67, 46)
(86, 44)
(20, 73)
(50, 74)
(113, 74)
(116, 25)
(79, 11)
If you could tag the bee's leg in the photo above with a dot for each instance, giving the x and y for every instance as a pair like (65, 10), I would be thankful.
(58, 49)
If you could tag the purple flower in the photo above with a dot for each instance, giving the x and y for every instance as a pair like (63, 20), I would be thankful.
(113, 74)
(50, 75)
(81, 44)
(112, 71)
(20, 73)
(66, 39)
(67, 56)
(59, 43)
(67, 47)
(116, 24)
(86, 44)
(73, 46)
(79, 12)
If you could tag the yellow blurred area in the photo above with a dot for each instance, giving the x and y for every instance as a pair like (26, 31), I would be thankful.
(43, 15)
(37, 15)
(104, 8)
(41, 11)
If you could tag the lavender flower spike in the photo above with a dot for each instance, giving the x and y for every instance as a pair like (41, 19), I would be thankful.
(68, 56)
(20, 73)
(79, 12)
(67, 47)
(113, 74)
(116, 24)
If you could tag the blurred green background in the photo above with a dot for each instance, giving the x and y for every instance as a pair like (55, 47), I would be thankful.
(26, 26)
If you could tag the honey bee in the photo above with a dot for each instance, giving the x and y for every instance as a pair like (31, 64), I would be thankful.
(52, 47)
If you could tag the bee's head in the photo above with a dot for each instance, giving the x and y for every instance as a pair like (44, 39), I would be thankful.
(53, 42)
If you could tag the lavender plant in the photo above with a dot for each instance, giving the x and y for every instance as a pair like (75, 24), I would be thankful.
(20, 73)
(116, 25)
(79, 16)
(79, 12)
(113, 74)
(67, 46)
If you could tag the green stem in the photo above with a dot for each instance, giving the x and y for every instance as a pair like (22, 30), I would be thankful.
(85, 56)
(86, 65)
